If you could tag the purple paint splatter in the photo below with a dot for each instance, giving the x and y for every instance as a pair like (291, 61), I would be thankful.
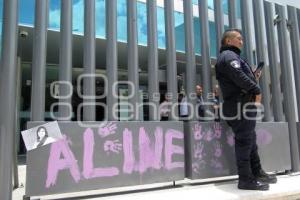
(208, 136)
(217, 149)
(216, 164)
(113, 146)
(217, 130)
(88, 165)
(230, 138)
(150, 155)
(60, 149)
(264, 137)
(129, 159)
(197, 130)
(171, 149)
(198, 151)
(198, 166)
(107, 129)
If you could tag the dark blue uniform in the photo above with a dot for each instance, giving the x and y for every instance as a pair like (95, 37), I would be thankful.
(239, 86)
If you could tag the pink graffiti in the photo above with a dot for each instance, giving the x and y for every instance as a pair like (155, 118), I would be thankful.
(107, 129)
(112, 146)
(218, 149)
(56, 164)
(171, 149)
(230, 138)
(263, 137)
(216, 164)
(217, 130)
(197, 130)
(88, 165)
(198, 151)
(151, 155)
(148, 157)
(208, 136)
(129, 159)
(198, 166)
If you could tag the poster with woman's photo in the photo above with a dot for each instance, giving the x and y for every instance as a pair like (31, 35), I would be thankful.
(41, 135)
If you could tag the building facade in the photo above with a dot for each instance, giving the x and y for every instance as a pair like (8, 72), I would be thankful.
(79, 60)
(26, 20)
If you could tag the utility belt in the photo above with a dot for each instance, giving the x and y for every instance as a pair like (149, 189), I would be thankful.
(242, 98)
(236, 103)
(246, 98)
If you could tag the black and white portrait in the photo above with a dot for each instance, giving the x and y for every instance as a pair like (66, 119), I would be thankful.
(41, 135)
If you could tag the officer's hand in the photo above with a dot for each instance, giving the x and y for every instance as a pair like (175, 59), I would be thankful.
(258, 74)
(258, 99)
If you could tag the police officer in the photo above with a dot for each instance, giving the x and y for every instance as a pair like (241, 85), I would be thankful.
(241, 92)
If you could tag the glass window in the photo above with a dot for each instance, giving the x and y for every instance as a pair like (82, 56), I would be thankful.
(213, 39)
(26, 16)
(238, 7)
(179, 31)
(54, 14)
(100, 19)
(161, 32)
(142, 23)
(26, 12)
(78, 16)
(212, 35)
(210, 3)
(225, 6)
(180, 35)
(122, 20)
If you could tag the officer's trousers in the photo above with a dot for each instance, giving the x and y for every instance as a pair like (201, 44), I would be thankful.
(247, 158)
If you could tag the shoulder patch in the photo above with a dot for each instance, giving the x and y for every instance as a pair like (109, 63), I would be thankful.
(235, 64)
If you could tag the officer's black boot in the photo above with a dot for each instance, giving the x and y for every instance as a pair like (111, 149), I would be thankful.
(252, 184)
(262, 176)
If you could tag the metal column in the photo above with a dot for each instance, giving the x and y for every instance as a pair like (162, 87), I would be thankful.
(171, 52)
(89, 88)
(295, 43)
(246, 31)
(259, 38)
(153, 83)
(219, 22)
(272, 52)
(298, 16)
(132, 50)
(205, 50)
(111, 57)
(232, 13)
(65, 59)
(17, 131)
(39, 61)
(190, 54)
(8, 96)
(287, 86)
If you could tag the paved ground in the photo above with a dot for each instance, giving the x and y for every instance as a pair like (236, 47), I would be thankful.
(287, 188)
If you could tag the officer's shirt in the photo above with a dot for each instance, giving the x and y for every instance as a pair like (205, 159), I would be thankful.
(234, 74)
(235, 77)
